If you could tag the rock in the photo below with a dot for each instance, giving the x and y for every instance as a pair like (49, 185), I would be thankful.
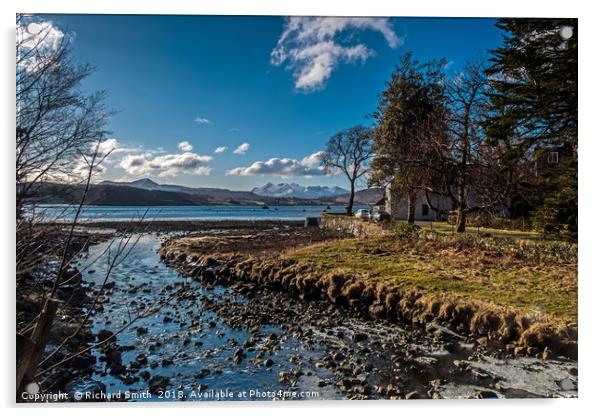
(239, 354)
(519, 350)
(268, 363)
(158, 383)
(282, 376)
(486, 394)
(117, 368)
(478, 374)
(208, 275)
(412, 395)
(145, 375)
(357, 337)
(566, 384)
(203, 373)
(104, 334)
(166, 361)
(129, 380)
(573, 371)
(483, 341)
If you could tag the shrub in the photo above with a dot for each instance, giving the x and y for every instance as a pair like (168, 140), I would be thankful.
(404, 230)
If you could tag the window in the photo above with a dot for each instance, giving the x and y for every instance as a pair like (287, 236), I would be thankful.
(425, 209)
(552, 157)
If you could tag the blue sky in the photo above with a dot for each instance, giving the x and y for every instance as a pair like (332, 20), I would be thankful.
(184, 86)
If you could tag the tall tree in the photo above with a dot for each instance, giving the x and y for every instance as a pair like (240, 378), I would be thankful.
(349, 151)
(410, 112)
(534, 107)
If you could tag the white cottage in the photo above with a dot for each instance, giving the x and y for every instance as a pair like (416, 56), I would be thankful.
(396, 205)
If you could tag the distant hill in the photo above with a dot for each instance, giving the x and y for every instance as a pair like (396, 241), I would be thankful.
(293, 190)
(145, 192)
(210, 194)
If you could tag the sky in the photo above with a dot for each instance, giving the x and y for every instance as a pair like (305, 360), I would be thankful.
(237, 101)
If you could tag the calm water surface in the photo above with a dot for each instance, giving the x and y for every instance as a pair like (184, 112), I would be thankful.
(97, 213)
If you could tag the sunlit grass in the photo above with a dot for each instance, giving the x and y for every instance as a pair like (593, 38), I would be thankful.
(536, 286)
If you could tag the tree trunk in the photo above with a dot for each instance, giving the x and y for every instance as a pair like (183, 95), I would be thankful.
(30, 349)
(461, 220)
(351, 198)
(411, 207)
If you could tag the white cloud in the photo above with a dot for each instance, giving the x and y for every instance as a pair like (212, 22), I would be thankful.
(242, 149)
(285, 167)
(315, 159)
(82, 168)
(166, 165)
(234, 129)
(314, 46)
(185, 146)
(105, 147)
(47, 40)
(220, 149)
(202, 120)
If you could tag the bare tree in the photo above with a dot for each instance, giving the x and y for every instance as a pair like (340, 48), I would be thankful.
(59, 129)
(468, 169)
(56, 121)
(349, 151)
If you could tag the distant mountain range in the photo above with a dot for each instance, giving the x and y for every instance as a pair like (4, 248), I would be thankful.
(145, 192)
(293, 190)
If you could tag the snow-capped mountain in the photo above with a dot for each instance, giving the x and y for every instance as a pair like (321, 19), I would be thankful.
(293, 190)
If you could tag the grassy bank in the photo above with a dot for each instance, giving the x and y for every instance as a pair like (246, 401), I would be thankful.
(519, 295)
(527, 276)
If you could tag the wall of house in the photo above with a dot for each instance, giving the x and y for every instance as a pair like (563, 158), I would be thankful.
(397, 205)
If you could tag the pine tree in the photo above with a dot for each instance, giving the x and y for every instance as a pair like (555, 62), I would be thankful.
(409, 109)
(534, 107)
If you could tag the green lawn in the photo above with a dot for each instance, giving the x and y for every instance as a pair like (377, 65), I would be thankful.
(548, 287)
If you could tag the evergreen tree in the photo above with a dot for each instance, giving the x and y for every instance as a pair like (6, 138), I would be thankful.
(409, 110)
(534, 106)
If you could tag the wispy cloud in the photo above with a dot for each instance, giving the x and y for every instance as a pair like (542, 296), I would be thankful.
(185, 146)
(285, 167)
(202, 120)
(242, 149)
(314, 46)
(234, 129)
(220, 149)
